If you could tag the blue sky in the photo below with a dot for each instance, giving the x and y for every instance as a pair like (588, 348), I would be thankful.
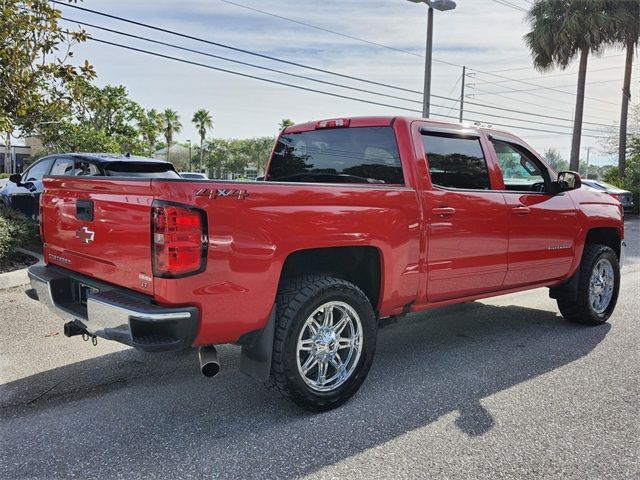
(481, 34)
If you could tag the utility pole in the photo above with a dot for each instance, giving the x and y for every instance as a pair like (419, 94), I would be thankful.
(586, 173)
(464, 75)
(426, 97)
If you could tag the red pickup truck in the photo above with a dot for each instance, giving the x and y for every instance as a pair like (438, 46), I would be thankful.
(357, 220)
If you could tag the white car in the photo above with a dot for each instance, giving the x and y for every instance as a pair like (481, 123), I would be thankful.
(194, 175)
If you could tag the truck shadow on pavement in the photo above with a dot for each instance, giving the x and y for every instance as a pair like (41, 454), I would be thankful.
(134, 414)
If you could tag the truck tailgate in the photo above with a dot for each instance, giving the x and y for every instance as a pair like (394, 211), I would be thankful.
(100, 228)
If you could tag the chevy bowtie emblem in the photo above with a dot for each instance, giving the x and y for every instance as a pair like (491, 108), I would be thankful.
(85, 235)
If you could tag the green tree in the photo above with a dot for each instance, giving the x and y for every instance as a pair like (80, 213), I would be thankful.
(560, 31)
(203, 121)
(150, 124)
(285, 122)
(36, 73)
(172, 126)
(625, 28)
(100, 120)
(555, 160)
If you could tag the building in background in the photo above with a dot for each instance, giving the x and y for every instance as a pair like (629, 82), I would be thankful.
(21, 155)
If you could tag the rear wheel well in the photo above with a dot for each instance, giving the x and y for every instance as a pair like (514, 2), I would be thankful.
(605, 236)
(358, 265)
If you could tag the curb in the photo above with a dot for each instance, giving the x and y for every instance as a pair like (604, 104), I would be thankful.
(17, 278)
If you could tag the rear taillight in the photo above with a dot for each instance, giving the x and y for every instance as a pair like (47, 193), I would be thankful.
(179, 240)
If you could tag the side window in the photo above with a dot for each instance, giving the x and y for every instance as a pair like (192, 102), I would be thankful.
(456, 162)
(62, 166)
(86, 169)
(37, 171)
(520, 170)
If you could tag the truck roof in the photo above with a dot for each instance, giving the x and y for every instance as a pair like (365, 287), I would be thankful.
(384, 120)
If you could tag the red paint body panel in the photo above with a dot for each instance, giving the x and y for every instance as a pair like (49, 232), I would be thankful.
(120, 250)
(429, 256)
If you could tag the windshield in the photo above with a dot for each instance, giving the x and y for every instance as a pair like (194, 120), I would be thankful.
(141, 170)
(342, 155)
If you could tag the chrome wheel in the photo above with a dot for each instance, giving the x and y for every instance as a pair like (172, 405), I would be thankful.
(329, 346)
(601, 285)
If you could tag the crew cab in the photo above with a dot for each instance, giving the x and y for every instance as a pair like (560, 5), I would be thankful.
(357, 221)
(22, 191)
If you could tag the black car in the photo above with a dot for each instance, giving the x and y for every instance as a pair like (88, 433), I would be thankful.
(23, 191)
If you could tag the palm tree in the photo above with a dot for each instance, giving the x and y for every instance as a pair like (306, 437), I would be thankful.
(202, 120)
(285, 122)
(561, 30)
(625, 30)
(171, 125)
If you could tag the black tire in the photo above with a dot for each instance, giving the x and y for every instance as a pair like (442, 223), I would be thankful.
(297, 299)
(580, 310)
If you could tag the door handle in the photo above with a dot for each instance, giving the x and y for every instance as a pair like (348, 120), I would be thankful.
(521, 210)
(443, 211)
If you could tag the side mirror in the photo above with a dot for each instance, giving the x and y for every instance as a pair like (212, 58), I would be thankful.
(15, 178)
(567, 181)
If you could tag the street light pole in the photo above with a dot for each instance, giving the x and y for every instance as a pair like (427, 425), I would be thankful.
(426, 97)
(442, 5)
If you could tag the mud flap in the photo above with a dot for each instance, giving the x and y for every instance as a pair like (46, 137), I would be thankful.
(568, 289)
(255, 358)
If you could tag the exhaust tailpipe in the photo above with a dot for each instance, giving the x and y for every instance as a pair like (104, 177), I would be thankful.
(71, 329)
(209, 365)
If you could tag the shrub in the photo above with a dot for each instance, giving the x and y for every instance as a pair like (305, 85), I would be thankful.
(15, 230)
(4, 175)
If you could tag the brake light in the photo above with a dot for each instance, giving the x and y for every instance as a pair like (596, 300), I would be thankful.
(178, 240)
(335, 123)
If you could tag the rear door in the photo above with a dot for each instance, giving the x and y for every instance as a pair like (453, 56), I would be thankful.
(466, 221)
(101, 228)
(542, 226)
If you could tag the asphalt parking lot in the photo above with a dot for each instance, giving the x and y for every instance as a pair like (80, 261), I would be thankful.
(502, 388)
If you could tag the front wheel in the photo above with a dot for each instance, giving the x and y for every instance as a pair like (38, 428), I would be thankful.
(324, 343)
(598, 286)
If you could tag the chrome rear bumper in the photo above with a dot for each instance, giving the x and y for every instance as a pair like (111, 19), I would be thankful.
(113, 313)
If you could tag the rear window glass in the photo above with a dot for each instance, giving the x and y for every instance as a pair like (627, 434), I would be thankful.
(342, 155)
(141, 169)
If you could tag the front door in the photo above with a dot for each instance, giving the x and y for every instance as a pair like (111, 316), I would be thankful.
(542, 226)
(466, 221)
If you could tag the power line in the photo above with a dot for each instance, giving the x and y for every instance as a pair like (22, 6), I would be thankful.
(382, 45)
(538, 85)
(191, 37)
(511, 99)
(310, 78)
(299, 87)
(227, 59)
(555, 86)
(543, 78)
(237, 49)
(246, 75)
(510, 5)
